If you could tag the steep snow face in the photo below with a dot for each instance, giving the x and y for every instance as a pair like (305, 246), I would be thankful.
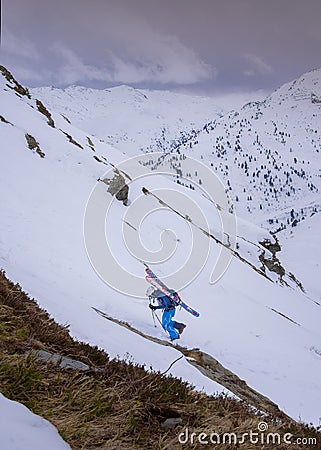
(301, 252)
(265, 331)
(130, 119)
(42, 243)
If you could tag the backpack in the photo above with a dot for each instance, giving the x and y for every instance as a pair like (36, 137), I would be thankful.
(166, 302)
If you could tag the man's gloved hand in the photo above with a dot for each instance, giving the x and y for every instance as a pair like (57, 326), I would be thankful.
(152, 307)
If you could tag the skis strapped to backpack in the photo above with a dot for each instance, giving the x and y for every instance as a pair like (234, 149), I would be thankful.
(158, 284)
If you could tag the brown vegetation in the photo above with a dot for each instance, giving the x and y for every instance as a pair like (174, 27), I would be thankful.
(113, 405)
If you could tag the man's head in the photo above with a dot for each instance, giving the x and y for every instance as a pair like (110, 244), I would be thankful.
(150, 292)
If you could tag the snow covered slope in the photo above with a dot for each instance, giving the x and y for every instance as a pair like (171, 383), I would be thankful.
(20, 429)
(131, 119)
(259, 325)
(46, 191)
(269, 153)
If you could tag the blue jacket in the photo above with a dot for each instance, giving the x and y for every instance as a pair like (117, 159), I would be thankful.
(164, 302)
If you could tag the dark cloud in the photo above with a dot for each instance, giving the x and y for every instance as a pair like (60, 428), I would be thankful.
(208, 45)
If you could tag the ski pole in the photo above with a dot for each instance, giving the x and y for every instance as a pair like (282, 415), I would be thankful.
(153, 312)
(153, 315)
(159, 321)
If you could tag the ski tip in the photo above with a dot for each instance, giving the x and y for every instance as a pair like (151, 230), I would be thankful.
(143, 262)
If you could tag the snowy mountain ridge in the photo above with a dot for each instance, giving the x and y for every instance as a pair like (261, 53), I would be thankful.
(268, 153)
(275, 184)
(264, 330)
(130, 119)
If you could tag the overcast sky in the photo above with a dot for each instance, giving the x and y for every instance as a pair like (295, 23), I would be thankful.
(204, 46)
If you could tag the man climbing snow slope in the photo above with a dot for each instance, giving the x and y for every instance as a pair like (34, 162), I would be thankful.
(167, 304)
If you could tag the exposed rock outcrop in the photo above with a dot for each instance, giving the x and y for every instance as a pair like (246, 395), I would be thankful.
(4, 120)
(41, 108)
(17, 87)
(118, 187)
(34, 145)
(59, 360)
(72, 140)
(90, 144)
(212, 369)
(273, 264)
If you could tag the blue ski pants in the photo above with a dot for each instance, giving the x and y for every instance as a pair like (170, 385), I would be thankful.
(168, 323)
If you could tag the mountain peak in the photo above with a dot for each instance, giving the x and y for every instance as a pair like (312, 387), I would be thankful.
(306, 87)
